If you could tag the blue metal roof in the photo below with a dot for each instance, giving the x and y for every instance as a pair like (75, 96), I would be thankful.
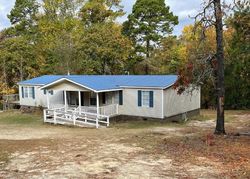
(108, 82)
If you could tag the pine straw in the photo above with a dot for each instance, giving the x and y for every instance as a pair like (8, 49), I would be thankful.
(229, 154)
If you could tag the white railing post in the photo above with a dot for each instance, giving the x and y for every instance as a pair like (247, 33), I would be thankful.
(79, 101)
(65, 100)
(97, 125)
(54, 117)
(74, 119)
(44, 115)
(117, 109)
(108, 121)
(47, 96)
(85, 117)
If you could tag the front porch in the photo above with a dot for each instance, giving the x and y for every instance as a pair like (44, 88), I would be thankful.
(81, 108)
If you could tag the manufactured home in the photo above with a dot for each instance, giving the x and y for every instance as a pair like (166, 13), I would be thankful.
(93, 99)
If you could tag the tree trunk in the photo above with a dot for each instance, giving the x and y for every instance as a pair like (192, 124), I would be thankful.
(104, 67)
(21, 69)
(147, 56)
(220, 88)
(4, 72)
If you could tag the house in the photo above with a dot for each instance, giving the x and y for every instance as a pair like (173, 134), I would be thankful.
(93, 99)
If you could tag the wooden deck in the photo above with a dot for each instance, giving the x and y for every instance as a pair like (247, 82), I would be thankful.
(77, 117)
(10, 101)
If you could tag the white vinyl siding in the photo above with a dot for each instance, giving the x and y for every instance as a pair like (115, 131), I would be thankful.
(40, 98)
(130, 103)
(175, 104)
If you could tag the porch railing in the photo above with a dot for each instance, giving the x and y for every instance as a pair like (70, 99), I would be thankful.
(107, 110)
(75, 118)
(11, 97)
(80, 116)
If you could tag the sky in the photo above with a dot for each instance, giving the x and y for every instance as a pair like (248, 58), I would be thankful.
(184, 9)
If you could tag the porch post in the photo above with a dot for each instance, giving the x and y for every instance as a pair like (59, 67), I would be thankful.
(47, 96)
(97, 104)
(80, 101)
(65, 100)
(97, 110)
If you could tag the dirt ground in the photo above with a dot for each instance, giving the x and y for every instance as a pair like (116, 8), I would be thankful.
(141, 149)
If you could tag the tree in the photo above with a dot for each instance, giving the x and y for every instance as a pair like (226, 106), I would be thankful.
(169, 57)
(237, 67)
(23, 16)
(18, 61)
(58, 28)
(149, 22)
(100, 11)
(212, 15)
(104, 49)
(219, 68)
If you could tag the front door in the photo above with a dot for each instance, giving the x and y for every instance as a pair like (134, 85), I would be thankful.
(92, 99)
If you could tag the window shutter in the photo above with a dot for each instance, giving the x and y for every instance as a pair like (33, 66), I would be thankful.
(151, 99)
(139, 98)
(22, 92)
(120, 98)
(44, 92)
(33, 92)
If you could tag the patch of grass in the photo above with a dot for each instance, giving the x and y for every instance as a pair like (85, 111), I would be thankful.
(237, 112)
(18, 118)
(211, 115)
(140, 124)
(201, 118)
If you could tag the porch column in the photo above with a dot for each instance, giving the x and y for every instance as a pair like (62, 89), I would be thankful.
(97, 104)
(47, 96)
(65, 100)
(80, 101)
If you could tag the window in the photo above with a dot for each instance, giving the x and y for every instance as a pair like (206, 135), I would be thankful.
(26, 92)
(30, 92)
(116, 97)
(145, 98)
